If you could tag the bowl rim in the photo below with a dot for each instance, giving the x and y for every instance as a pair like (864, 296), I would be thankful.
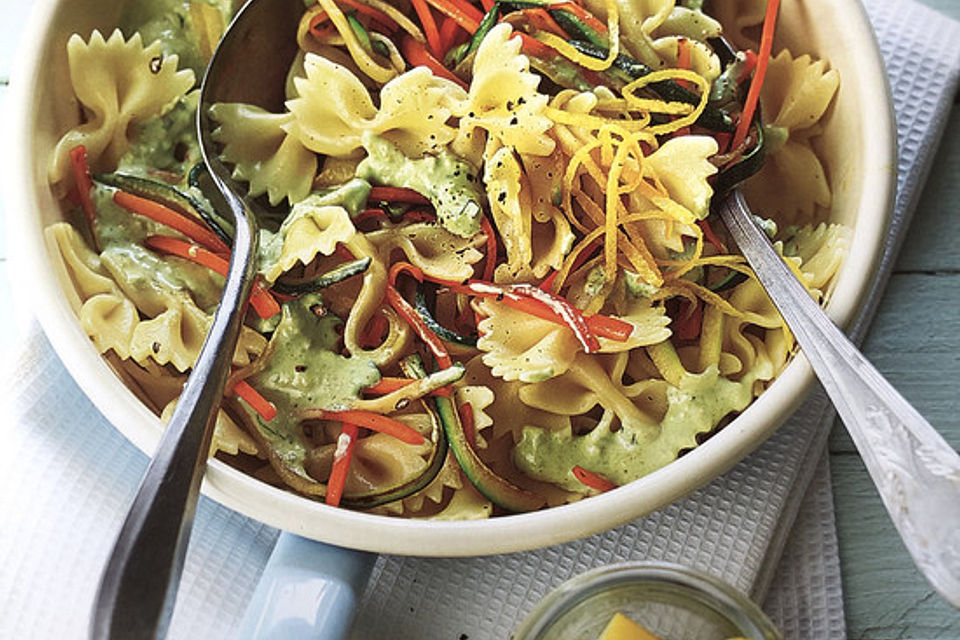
(517, 532)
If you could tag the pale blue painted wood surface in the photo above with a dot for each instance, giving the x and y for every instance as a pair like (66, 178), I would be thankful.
(915, 341)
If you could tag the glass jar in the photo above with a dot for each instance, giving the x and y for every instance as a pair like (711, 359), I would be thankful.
(672, 601)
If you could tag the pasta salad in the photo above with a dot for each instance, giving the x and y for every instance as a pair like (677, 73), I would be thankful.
(489, 281)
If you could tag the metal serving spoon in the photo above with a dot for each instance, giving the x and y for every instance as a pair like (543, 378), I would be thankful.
(915, 470)
(139, 584)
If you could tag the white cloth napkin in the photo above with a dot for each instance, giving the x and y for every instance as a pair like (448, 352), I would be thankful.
(66, 478)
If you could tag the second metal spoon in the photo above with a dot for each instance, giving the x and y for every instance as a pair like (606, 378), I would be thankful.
(917, 473)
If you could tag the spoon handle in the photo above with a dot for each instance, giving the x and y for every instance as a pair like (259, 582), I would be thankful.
(917, 473)
(139, 585)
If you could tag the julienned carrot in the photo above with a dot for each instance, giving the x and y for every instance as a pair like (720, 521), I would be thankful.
(341, 463)
(260, 298)
(763, 59)
(401, 195)
(582, 14)
(429, 27)
(418, 56)
(466, 15)
(368, 420)
(257, 402)
(540, 19)
(592, 480)
(81, 178)
(389, 385)
(487, 4)
(533, 47)
(173, 219)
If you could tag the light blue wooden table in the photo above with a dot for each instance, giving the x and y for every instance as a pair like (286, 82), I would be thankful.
(915, 342)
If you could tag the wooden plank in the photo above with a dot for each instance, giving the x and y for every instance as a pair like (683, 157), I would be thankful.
(915, 343)
(885, 595)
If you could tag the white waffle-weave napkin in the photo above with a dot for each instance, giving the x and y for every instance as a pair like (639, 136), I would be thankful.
(66, 477)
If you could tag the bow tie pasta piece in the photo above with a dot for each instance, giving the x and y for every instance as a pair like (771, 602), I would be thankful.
(682, 165)
(518, 346)
(792, 183)
(310, 229)
(228, 436)
(437, 252)
(503, 98)
(119, 83)
(108, 316)
(333, 110)
(738, 16)
(263, 154)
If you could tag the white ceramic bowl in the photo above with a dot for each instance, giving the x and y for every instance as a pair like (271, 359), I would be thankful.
(859, 142)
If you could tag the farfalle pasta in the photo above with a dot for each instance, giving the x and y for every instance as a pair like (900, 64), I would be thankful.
(489, 280)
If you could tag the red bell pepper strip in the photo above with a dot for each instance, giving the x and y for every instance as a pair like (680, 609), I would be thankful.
(763, 59)
(490, 262)
(400, 195)
(341, 464)
(257, 402)
(688, 325)
(593, 480)
(81, 177)
(469, 426)
(260, 298)
(709, 234)
(381, 19)
(367, 420)
(173, 219)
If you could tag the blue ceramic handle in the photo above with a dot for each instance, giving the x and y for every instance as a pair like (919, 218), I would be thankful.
(308, 590)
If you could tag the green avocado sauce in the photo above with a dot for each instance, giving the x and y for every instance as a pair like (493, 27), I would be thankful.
(695, 406)
(446, 180)
(171, 22)
(145, 277)
(167, 143)
(305, 372)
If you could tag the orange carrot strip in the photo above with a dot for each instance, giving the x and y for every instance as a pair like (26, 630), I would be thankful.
(260, 298)
(341, 464)
(763, 59)
(466, 15)
(418, 56)
(543, 21)
(257, 402)
(429, 27)
(487, 4)
(593, 480)
(369, 420)
(81, 177)
(173, 219)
